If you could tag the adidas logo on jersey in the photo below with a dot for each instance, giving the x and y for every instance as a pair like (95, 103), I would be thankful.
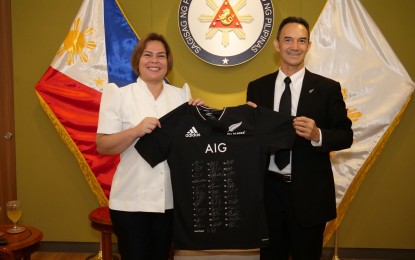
(192, 132)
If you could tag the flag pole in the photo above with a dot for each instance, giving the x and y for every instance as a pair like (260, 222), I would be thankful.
(335, 256)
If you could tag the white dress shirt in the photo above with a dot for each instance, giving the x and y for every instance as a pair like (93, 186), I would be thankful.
(295, 86)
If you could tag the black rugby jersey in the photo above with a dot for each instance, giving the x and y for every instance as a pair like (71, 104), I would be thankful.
(217, 160)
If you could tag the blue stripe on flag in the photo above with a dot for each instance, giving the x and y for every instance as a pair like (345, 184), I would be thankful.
(120, 40)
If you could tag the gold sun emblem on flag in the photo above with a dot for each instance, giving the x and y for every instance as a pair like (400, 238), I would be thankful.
(352, 113)
(75, 43)
(225, 19)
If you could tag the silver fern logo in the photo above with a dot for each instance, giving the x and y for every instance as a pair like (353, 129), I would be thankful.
(234, 126)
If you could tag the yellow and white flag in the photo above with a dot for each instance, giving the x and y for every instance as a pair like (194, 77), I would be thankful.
(348, 47)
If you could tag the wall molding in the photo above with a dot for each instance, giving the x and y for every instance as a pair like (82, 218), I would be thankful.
(370, 253)
(343, 253)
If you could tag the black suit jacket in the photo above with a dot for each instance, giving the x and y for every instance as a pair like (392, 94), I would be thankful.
(314, 198)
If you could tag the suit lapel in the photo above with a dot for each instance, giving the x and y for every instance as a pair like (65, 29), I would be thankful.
(307, 94)
(270, 91)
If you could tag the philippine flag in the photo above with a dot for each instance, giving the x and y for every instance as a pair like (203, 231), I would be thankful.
(96, 51)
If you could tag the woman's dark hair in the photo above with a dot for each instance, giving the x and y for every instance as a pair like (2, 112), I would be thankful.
(139, 49)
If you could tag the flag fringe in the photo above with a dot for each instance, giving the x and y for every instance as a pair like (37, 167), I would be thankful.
(125, 17)
(86, 170)
(333, 225)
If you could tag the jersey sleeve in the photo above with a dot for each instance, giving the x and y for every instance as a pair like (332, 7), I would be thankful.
(275, 130)
(155, 147)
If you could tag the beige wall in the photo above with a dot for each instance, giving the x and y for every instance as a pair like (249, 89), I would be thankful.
(56, 196)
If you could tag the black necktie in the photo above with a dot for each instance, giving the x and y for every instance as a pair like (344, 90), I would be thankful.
(282, 158)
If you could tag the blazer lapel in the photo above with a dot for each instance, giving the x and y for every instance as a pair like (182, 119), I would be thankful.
(269, 92)
(307, 94)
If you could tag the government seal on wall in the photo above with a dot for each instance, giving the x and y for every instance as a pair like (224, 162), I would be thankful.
(225, 32)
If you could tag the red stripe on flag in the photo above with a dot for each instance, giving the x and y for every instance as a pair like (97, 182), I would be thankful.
(76, 107)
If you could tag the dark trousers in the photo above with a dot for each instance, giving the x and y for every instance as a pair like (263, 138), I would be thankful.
(287, 236)
(143, 235)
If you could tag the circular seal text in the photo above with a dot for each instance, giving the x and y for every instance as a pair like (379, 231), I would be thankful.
(226, 32)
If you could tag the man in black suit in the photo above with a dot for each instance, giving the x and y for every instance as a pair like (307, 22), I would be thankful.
(300, 197)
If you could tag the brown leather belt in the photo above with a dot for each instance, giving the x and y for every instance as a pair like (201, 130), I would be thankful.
(279, 176)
